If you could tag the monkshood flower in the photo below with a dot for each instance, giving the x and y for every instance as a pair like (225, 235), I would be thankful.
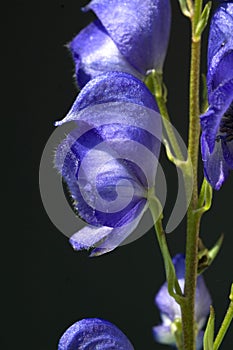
(170, 310)
(129, 36)
(109, 160)
(217, 122)
(94, 333)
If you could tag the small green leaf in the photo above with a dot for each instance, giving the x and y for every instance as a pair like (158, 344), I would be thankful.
(203, 20)
(205, 198)
(231, 293)
(216, 248)
(208, 341)
(225, 323)
(206, 257)
(184, 8)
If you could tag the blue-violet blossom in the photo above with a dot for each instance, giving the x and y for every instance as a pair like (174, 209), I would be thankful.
(170, 310)
(94, 333)
(217, 122)
(129, 36)
(109, 160)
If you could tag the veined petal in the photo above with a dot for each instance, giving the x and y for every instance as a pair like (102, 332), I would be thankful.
(140, 29)
(108, 171)
(111, 87)
(108, 168)
(94, 333)
(217, 122)
(109, 163)
(220, 100)
(220, 71)
(104, 239)
(216, 152)
(220, 42)
(216, 169)
(95, 53)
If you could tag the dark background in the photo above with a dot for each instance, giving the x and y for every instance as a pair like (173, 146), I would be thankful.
(50, 285)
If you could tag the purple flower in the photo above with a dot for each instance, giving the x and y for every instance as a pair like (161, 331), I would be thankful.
(170, 310)
(129, 36)
(109, 160)
(217, 122)
(94, 333)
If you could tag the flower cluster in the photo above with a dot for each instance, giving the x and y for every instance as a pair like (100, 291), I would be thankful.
(217, 122)
(109, 160)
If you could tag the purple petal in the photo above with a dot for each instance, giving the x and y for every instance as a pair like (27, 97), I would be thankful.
(162, 334)
(109, 161)
(216, 152)
(179, 264)
(140, 29)
(169, 307)
(227, 148)
(104, 187)
(95, 53)
(219, 100)
(221, 72)
(109, 167)
(199, 340)
(216, 145)
(216, 169)
(94, 333)
(111, 87)
(89, 237)
(203, 302)
(167, 304)
(103, 239)
(220, 42)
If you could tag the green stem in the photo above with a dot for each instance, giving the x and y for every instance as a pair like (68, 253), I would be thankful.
(193, 218)
(225, 324)
(159, 96)
(173, 285)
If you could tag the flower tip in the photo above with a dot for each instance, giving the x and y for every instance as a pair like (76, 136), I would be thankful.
(58, 123)
(85, 8)
(77, 245)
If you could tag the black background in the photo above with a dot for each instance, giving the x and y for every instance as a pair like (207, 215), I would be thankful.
(50, 285)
